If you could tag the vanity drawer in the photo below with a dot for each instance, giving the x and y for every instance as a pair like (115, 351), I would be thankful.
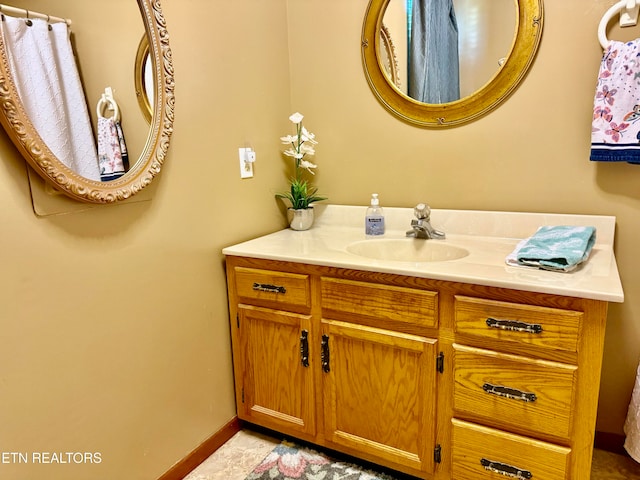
(346, 299)
(541, 327)
(481, 453)
(266, 287)
(520, 394)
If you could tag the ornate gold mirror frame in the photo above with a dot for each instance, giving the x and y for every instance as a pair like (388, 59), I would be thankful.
(528, 32)
(140, 70)
(24, 136)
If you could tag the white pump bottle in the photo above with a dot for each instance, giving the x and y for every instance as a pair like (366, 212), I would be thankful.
(374, 219)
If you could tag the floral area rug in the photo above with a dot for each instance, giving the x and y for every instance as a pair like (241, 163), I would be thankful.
(289, 461)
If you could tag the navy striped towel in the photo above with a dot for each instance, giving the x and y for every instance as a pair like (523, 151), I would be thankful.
(615, 131)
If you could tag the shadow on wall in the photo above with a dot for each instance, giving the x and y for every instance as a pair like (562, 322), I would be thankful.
(103, 221)
(619, 178)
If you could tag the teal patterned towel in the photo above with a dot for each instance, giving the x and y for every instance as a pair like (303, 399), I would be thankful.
(559, 248)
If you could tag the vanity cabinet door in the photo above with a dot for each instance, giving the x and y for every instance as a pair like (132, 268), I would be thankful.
(273, 369)
(379, 394)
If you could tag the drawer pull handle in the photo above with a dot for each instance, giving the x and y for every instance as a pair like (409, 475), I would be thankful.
(514, 325)
(304, 348)
(324, 353)
(265, 287)
(508, 392)
(506, 470)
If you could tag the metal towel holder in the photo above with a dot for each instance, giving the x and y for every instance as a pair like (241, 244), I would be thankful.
(628, 17)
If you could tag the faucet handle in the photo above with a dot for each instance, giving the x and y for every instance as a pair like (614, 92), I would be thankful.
(422, 211)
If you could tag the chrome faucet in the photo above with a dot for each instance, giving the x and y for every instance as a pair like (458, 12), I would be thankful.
(420, 226)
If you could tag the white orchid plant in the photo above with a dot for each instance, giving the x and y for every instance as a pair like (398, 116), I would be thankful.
(301, 146)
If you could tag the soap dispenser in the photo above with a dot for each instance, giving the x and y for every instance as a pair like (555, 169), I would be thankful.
(374, 219)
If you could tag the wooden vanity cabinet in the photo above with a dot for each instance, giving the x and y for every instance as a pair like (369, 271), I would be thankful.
(437, 379)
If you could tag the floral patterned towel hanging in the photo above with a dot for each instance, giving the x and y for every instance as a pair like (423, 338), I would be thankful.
(110, 155)
(615, 134)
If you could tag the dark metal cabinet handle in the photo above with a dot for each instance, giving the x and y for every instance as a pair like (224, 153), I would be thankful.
(514, 325)
(304, 348)
(506, 470)
(324, 353)
(508, 392)
(266, 287)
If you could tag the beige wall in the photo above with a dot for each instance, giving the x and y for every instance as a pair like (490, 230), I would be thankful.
(531, 154)
(113, 324)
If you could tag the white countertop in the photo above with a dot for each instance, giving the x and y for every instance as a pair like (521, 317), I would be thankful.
(488, 236)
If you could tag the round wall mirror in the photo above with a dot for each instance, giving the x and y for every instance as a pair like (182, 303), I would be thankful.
(440, 64)
(143, 168)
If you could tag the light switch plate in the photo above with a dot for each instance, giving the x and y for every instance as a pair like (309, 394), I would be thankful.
(247, 157)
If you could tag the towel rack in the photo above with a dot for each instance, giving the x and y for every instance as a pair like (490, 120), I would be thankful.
(628, 17)
(107, 101)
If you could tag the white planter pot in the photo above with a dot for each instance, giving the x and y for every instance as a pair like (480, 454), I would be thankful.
(301, 218)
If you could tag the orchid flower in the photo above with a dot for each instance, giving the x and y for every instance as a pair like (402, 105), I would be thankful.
(308, 166)
(301, 145)
(296, 118)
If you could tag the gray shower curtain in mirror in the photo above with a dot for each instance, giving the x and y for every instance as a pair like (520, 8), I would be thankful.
(434, 71)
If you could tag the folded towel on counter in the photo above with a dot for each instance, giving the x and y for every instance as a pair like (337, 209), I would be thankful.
(558, 248)
(615, 132)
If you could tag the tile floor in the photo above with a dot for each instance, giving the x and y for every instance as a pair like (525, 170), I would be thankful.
(237, 458)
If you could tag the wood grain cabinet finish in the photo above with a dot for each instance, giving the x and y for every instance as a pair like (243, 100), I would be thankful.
(379, 393)
(482, 453)
(533, 397)
(277, 388)
(269, 288)
(388, 305)
(437, 379)
(542, 328)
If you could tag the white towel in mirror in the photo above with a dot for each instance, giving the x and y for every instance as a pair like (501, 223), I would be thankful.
(49, 86)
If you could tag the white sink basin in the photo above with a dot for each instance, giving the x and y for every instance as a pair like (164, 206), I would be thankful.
(407, 250)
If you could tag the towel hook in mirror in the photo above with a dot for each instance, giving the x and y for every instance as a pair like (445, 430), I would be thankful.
(107, 100)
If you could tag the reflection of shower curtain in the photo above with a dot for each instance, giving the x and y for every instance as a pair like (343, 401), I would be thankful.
(434, 71)
(48, 83)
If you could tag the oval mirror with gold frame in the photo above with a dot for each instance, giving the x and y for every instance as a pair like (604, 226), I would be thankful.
(528, 32)
(142, 172)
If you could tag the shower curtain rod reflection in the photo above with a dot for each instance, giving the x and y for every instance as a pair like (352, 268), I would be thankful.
(21, 12)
